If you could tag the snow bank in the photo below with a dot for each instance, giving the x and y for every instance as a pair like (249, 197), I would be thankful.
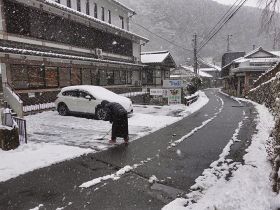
(249, 186)
(32, 156)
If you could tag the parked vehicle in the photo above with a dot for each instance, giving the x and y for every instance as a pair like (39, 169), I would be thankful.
(86, 99)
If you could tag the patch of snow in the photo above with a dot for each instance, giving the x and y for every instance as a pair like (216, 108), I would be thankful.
(114, 176)
(38, 207)
(31, 156)
(153, 179)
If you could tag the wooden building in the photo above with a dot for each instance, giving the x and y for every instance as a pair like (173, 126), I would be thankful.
(240, 75)
(158, 67)
(49, 44)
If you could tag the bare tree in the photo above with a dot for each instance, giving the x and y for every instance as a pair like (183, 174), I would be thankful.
(270, 13)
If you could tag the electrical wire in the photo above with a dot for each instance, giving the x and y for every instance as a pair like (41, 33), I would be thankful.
(222, 18)
(223, 24)
(170, 42)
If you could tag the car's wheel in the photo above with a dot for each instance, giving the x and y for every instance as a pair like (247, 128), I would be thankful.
(62, 110)
(101, 114)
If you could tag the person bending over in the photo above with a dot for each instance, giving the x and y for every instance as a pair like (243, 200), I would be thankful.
(117, 115)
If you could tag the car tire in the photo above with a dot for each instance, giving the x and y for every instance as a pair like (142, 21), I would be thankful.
(62, 110)
(100, 114)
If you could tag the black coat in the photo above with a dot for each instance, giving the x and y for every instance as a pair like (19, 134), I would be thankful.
(117, 114)
(114, 111)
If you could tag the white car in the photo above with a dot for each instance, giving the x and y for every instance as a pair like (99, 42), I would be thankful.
(86, 99)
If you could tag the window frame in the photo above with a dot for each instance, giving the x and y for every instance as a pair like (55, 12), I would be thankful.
(109, 16)
(95, 10)
(68, 3)
(79, 5)
(122, 21)
(102, 13)
(87, 7)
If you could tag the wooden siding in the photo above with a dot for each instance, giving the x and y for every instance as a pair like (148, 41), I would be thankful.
(28, 21)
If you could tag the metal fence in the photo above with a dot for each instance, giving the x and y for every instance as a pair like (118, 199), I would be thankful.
(190, 100)
(21, 129)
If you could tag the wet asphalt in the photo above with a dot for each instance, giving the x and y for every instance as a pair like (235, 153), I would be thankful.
(176, 168)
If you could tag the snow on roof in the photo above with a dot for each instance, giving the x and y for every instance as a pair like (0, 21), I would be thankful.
(65, 8)
(62, 56)
(154, 57)
(214, 67)
(277, 53)
(260, 49)
(200, 72)
(124, 6)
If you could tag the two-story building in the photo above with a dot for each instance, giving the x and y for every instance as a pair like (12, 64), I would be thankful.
(240, 74)
(49, 44)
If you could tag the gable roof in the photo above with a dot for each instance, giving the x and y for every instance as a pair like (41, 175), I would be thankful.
(123, 6)
(156, 57)
(210, 66)
(186, 69)
(260, 49)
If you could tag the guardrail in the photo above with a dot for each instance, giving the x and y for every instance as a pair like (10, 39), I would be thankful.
(190, 100)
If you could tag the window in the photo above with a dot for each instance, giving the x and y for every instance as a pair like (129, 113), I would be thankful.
(69, 3)
(72, 93)
(109, 17)
(87, 7)
(103, 14)
(122, 21)
(79, 5)
(95, 10)
(57, 1)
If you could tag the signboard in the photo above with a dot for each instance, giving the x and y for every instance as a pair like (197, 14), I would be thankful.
(174, 96)
(172, 83)
(156, 92)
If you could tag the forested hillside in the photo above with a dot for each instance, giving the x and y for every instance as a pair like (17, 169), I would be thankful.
(178, 20)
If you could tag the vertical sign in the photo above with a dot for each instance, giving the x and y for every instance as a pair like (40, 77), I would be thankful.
(174, 96)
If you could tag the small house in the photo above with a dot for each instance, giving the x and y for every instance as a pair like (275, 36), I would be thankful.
(158, 67)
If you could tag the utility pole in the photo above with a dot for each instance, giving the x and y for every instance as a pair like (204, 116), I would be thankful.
(195, 66)
(228, 42)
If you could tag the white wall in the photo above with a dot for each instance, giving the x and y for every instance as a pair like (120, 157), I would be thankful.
(116, 11)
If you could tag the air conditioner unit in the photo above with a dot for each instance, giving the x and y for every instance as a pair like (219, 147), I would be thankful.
(99, 53)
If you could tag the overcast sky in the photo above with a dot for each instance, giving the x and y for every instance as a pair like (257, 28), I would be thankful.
(253, 3)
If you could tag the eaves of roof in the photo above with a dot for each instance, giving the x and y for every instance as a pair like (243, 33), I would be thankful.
(124, 6)
(70, 10)
(61, 56)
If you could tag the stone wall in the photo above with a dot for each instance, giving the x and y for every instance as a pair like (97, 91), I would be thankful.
(268, 93)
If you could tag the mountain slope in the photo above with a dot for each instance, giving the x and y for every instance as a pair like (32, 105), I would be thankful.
(178, 20)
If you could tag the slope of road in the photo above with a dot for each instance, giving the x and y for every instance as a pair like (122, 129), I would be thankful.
(175, 156)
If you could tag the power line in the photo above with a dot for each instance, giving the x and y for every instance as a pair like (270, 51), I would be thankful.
(222, 19)
(224, 23)
(170, 42)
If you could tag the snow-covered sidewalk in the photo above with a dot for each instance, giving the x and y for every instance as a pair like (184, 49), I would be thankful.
(53, 138)
(249, 188)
